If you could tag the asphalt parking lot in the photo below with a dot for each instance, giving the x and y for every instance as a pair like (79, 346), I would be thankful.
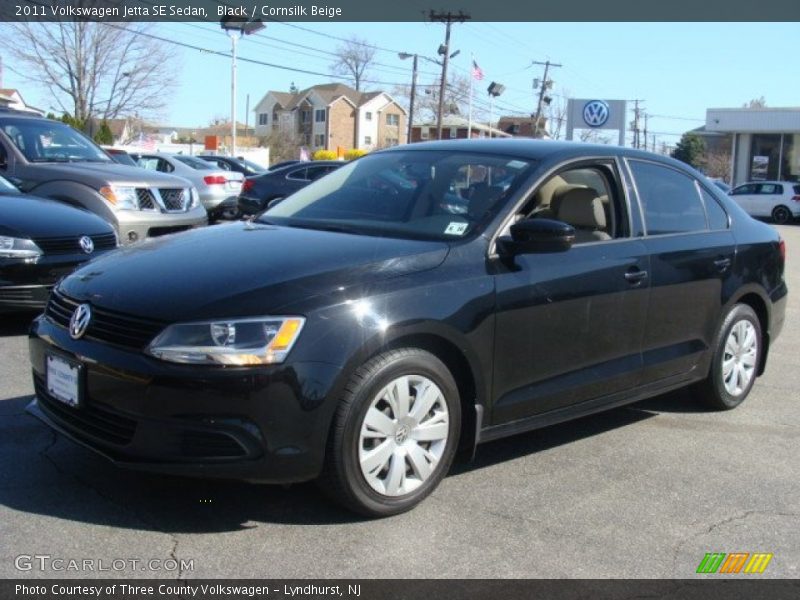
(642, 491)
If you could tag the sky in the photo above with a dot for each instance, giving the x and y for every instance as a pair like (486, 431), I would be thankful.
(677, 69)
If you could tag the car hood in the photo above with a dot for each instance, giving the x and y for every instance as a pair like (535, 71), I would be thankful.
(104, 173)
(32, 217)
(241, 269)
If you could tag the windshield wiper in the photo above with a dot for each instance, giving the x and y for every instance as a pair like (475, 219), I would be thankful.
(327, 227)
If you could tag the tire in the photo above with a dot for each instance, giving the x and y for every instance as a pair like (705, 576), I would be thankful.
(382, 459)
(781, 215)
(737, 353)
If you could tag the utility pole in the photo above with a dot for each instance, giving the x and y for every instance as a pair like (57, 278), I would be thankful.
(636, 112)
(544, 86)
(645, 131)
(447, 18)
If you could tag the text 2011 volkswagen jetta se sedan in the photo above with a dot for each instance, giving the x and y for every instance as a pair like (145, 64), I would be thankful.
(415, 302)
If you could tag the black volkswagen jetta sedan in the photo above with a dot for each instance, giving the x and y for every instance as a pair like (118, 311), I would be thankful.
(363, 333)
(41, 241)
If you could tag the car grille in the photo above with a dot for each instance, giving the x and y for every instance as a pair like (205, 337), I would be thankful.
(106, 326)
(70, 245)
(174, 199)
(91, 419)
(146, 199)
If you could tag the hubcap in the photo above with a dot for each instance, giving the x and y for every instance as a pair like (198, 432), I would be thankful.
(739, 358)
(403, 435)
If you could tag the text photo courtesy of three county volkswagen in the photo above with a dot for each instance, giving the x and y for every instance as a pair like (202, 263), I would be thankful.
(444, 298)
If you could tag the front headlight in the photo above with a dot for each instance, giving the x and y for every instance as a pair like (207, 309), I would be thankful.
(11, 247)
(120, 197)
(237, 342)
(195, 198)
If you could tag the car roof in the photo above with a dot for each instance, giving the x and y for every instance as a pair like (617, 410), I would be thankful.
(533, 149)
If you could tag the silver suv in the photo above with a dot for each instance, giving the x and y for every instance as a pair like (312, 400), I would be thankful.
(51, 159)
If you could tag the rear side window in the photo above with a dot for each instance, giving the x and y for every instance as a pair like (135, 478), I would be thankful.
(717, 217)
(669, 199)
(770, 188)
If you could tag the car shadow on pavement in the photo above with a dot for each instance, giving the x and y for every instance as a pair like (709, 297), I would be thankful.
(43, 473)
(17, 323)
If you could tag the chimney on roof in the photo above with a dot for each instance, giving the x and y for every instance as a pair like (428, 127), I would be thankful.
(293, 88)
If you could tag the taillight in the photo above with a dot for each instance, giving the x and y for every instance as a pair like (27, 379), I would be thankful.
(796, 198)
(214, 179)
(782, 249)
(247, 185)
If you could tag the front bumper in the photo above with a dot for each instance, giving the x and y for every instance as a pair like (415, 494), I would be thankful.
(265, 424)
(134, 225)
(27, 285)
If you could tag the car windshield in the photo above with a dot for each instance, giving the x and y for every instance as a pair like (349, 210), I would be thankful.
(51, 141)
(252, 166)
(417, 194)
(195, 163)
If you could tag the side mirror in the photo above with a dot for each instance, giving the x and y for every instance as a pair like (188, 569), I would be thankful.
(537, 235)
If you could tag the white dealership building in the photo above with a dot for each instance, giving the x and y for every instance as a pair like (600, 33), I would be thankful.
(765, 142)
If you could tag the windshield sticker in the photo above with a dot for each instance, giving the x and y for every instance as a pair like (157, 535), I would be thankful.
(456, 228)
(516, 164)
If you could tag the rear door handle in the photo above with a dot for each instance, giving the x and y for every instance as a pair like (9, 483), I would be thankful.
(635, 275)
(722, 264)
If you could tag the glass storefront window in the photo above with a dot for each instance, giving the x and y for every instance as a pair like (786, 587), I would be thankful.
(765, 151)
(790, 163)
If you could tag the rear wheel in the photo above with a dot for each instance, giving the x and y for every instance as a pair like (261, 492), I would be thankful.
(736, 358)
(781, 215)
(395, 433)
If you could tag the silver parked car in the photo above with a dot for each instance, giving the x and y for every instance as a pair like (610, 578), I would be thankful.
(50, 159)
(218, 188)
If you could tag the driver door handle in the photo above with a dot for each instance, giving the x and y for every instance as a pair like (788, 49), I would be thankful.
(635, 275)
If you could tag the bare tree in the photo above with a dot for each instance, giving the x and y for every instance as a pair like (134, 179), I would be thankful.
(92, 69)
(756, 103)
(456, 100)
(718, 164)
(353, 59)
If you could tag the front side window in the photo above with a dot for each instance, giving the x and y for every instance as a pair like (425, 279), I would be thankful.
(51, 141)
(748, 188)
(408, 194)
(669, 198)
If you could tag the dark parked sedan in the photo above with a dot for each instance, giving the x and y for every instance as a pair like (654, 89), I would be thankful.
(273, 186)
(40, 242)
(365, 332)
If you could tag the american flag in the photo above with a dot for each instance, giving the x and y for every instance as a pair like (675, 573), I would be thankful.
(147, 142)
(477, 72)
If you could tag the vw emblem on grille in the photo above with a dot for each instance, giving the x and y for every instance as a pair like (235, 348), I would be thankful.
(86, 243)
(595, 113)
(79, 321)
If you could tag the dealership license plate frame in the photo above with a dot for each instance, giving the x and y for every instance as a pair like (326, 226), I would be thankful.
(64, 379)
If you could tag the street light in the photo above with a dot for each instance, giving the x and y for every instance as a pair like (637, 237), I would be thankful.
(494, 89)
(237, 26)
(404, 56)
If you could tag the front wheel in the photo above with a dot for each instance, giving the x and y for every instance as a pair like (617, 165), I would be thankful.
(781, 215)
(394, 435)
(736, 358)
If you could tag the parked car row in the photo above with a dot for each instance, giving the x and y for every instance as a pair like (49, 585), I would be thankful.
(777, 200)
(415, 302)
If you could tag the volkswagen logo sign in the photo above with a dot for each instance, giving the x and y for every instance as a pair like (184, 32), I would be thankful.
(87, 245)
(595, 113)
(79, 321)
